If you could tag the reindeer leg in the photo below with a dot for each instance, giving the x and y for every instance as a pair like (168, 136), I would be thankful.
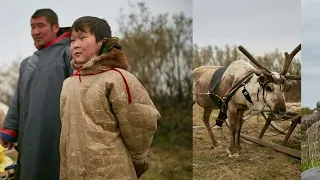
(238, 125)
(231, 149)
(206, 117)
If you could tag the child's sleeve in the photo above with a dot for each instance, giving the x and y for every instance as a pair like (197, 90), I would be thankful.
(136, 114)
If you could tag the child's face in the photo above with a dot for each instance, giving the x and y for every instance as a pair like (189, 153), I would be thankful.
(83, 46)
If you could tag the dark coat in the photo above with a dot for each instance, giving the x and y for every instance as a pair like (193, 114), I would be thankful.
(34, 112)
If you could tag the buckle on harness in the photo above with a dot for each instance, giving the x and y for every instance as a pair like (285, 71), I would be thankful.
(221, 118)
(222, 113)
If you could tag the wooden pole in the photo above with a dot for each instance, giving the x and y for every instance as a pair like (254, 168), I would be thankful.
(283, 149)
(266, 125)
(292, 127)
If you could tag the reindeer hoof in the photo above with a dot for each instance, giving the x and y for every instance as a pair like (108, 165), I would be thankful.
(229, 153)
(232, 155)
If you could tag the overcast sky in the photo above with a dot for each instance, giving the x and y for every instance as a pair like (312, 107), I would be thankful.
(310, 18)
(260, 26)
(15, 18)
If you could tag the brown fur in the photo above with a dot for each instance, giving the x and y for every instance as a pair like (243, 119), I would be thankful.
(113, 59)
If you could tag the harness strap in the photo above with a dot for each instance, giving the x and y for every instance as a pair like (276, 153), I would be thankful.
(246, 95)
(215, 80)
(225, 100)
(239, 84)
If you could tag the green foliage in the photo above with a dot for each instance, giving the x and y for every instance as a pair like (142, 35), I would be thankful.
(307, 165)
(306, 111)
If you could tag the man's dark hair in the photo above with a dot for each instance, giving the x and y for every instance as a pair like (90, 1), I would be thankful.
(50, 15)
(98, 27)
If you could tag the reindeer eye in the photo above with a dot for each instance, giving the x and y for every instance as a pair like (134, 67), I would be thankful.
(268, 88)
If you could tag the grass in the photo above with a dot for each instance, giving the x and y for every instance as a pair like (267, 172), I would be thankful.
(254, 162)
(310, 152)
(169, 162)
(171, 151)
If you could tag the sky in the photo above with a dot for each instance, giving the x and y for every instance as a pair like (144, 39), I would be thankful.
(260, 26)
(15, 18)
(310, 18)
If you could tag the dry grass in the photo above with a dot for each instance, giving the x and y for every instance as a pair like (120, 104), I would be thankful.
(254, 162)
(169, 163)
(310, 147)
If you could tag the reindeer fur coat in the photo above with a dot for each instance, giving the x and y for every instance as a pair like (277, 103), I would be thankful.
(108, 119)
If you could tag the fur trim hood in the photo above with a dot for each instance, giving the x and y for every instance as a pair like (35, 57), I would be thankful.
(112, 57)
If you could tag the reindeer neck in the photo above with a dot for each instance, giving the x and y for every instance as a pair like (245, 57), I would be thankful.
(239, 100)
(237, 86)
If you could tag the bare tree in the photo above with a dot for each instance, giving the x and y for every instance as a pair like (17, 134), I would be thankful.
(8, 81)
(159, 50)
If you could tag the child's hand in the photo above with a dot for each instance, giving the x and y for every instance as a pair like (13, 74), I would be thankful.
(141, 166)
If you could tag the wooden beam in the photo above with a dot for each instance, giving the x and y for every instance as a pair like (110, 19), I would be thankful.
(266, 125)
(283, 149)
(292, 127)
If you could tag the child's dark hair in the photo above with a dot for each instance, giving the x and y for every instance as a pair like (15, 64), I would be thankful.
(98, 27)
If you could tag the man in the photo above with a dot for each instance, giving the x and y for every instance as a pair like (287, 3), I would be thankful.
(33, 118)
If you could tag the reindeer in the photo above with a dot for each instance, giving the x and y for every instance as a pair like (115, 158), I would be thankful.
(264, 88)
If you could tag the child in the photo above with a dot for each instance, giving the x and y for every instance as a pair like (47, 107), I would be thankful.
(108, 119)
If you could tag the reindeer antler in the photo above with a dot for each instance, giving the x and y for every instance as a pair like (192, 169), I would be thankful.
(283, 79)
(257, 63)
(287, 62)
(292, 77)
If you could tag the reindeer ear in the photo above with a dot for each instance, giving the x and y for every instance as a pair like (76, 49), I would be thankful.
(262, 79)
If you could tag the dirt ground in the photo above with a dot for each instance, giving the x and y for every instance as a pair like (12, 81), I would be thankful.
(254, 162)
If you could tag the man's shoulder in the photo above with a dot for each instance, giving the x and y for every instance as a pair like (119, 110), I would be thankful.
(58, 52)
(24, 61)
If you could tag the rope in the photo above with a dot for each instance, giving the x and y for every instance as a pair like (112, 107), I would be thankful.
(258, 112)
(266, 134)
(294, 117)
(245, 120)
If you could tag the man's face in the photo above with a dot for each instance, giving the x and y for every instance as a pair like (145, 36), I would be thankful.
(42, 32)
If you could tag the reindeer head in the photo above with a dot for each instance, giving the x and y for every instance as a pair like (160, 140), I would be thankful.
(271, 86)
